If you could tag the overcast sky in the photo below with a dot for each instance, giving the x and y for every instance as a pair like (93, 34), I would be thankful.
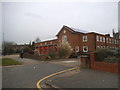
(22, 22)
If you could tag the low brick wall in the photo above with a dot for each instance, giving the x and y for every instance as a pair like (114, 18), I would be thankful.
(108, 67)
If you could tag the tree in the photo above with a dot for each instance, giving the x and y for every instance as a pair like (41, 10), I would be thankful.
(33, 45)
(37, 40)
(64, 50)
(8, 48)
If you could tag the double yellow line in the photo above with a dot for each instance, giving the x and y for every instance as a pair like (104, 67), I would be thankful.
(38, 83)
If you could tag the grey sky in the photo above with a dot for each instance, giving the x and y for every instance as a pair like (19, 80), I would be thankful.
(23, 22)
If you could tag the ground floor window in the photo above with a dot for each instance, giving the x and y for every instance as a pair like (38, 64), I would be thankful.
(85, 48)
(77, 49)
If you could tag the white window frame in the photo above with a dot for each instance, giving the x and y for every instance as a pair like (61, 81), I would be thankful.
(115, 41)
(84, 48)
(109, 40)
(97, 38)
(106, 40)
(64, 31)
(85, 38)
(64, 38)
(76, 48)
(98, 46)
(100, 39)
(103, 39)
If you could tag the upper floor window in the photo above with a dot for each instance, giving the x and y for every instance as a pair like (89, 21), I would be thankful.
(106, 40)
(109, 40)
(85, 48)
(100, 39)
(97, 38)
(84, 38)
(112, 41)
(64, 38)
(115, 42)
(64, 31)
(103, 39)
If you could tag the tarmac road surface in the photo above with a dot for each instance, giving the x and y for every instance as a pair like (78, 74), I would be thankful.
(26, 76)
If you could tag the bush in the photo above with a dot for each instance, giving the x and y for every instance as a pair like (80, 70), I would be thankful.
(112, 60)
(64, 50)
(101, 54)
(27, 49)
(51, 55)
(108, 55)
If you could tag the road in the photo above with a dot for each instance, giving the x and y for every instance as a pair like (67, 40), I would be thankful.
(26, 76)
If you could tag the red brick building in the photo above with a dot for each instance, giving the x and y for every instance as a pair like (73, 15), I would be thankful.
(81, 42)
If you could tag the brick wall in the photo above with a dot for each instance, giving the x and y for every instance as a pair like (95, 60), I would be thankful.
(102, 66)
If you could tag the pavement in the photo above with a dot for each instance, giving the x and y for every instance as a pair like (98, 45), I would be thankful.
(83, 78)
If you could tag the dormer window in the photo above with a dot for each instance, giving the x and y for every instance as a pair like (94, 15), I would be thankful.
(84, 38)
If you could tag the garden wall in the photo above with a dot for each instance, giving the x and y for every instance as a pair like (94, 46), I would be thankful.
(108, 67)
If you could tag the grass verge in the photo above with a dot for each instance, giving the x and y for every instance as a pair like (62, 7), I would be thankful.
(9, 61)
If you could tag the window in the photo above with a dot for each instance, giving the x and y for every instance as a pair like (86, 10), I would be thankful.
(103, 39)
(100, 39)
(107, 40)
(64, 38)
(85, 48)
(112, 41)
(98, 46)
(115, 42)
(84, 38)
(77, 48)
(97, 38)
(64, 31)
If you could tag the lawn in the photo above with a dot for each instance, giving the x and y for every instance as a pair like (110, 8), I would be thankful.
(8, 61)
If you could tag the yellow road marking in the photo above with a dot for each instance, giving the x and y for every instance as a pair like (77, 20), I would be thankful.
(38, 83)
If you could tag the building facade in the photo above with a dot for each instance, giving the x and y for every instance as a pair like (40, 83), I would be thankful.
(81, 42)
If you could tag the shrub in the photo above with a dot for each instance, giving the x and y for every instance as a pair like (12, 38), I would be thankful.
(108, 55)
(112, 60)
(64, 50)
(51, 55)
(101, 54)
(28, 50)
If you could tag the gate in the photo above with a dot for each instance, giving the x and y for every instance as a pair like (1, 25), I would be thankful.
(85, 61)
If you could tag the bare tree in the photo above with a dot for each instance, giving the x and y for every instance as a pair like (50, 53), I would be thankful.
(37, 40)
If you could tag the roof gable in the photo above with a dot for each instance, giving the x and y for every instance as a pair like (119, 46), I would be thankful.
(72, 30)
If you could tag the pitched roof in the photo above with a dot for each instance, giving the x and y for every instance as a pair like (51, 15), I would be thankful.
(79, 30)
(73, 30)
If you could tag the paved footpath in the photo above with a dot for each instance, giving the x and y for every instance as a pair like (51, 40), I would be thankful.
(85, 78)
